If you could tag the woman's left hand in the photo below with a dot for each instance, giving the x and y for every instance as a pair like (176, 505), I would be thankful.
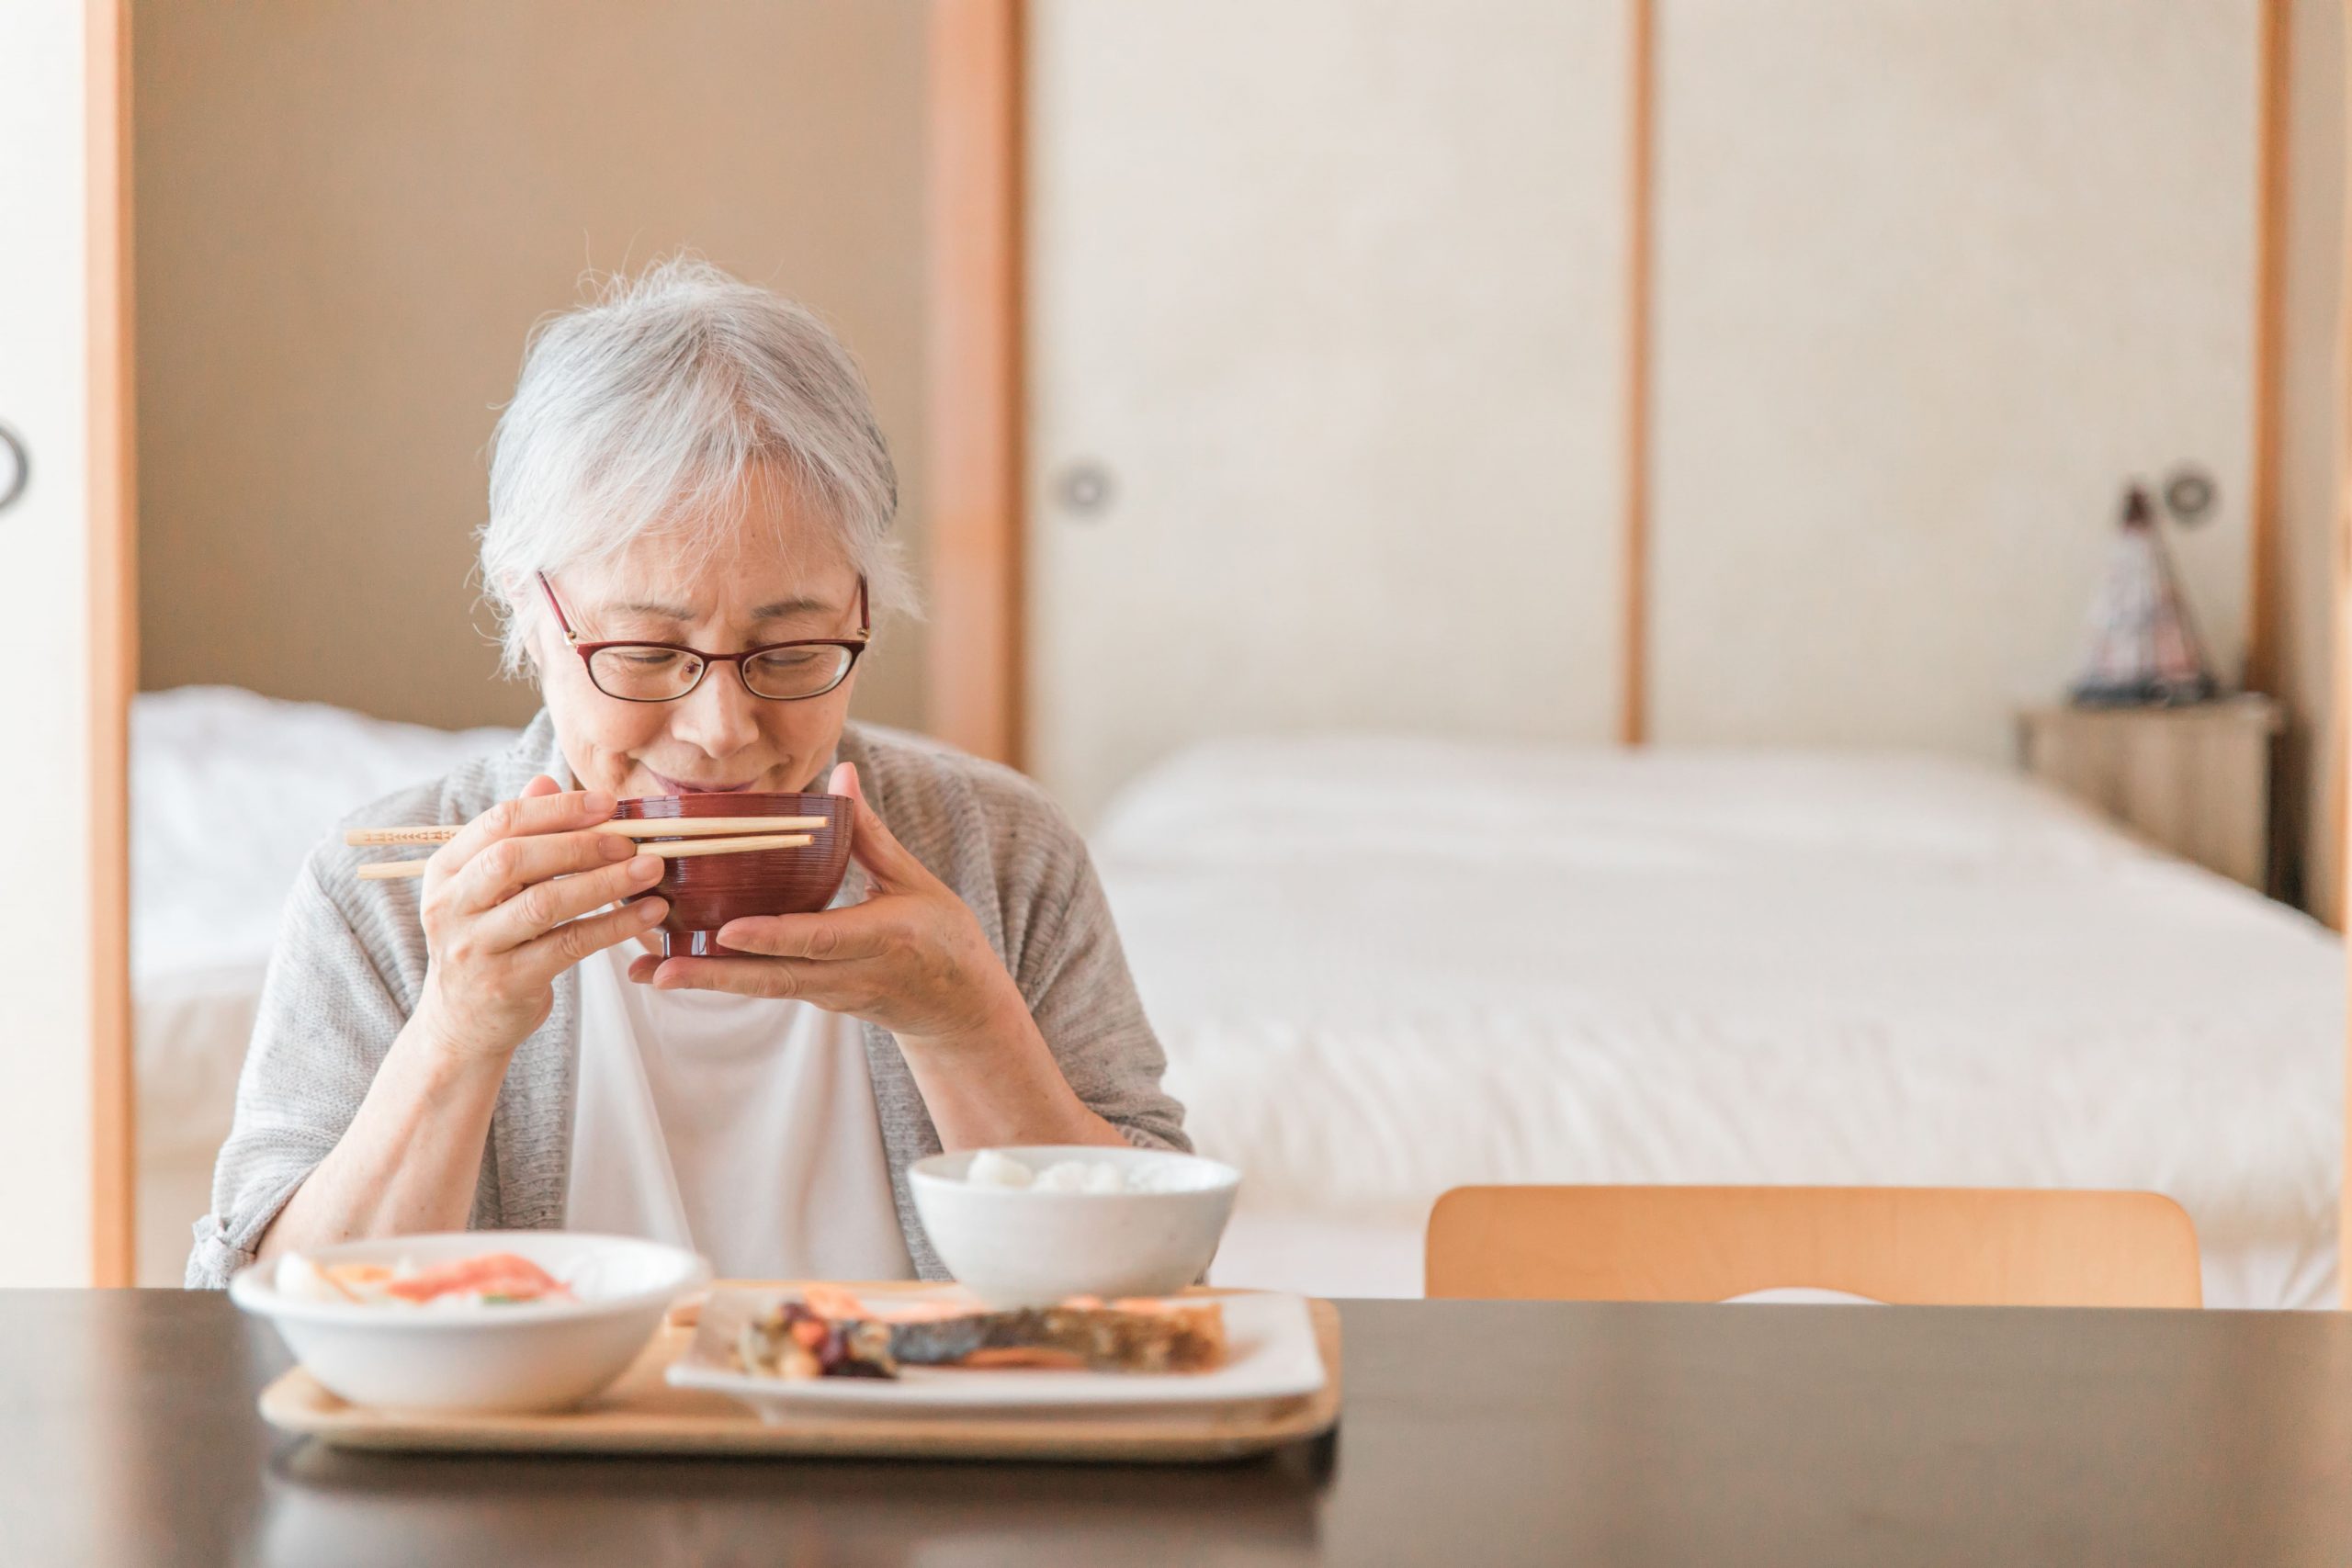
(910, 958)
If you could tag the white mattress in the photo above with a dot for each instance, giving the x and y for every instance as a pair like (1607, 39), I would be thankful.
(1383, 967)
(228, 792)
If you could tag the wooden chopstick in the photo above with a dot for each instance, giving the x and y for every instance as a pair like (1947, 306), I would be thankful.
(396, 870)
(675, 828)
(727, 846)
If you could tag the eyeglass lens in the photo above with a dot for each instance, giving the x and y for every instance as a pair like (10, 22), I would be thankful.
(647, 674)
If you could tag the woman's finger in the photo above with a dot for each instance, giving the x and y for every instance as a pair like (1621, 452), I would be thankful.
(861, 930)
(566, 944)
(837, 988)
(890, 865)
(509, 867)
(535, 811)
(543, 906)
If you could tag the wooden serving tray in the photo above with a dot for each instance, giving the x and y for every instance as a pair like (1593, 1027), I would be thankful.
(640, 1414)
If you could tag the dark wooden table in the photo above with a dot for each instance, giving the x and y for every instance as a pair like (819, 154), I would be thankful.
(1473, 1434)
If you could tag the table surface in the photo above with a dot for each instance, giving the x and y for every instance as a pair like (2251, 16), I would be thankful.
(1474, 1433)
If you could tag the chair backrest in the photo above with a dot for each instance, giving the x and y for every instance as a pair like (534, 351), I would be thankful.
(1917, 1246)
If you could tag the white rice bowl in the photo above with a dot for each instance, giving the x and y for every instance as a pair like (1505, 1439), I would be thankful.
(1036, 1224)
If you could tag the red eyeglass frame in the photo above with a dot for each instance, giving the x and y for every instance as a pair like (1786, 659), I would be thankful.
(588, 650)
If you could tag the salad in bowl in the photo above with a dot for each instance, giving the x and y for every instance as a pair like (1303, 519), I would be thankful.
(469, 1321)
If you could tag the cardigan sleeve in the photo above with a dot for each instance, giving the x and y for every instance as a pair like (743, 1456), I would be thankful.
(327, 1018)
(1073, 974)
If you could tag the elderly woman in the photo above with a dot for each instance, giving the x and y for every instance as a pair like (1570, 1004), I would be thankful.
(689, 504)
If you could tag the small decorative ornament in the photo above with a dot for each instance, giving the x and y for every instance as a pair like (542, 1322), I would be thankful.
(2143, 647)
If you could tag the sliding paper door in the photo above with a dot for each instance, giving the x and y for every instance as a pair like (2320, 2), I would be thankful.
(1326, 323)
(47, 965)
(1934, 277)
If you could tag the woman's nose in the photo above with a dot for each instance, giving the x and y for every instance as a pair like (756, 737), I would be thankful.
(717, 716)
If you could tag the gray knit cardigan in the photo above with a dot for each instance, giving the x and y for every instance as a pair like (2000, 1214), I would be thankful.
(351, 957)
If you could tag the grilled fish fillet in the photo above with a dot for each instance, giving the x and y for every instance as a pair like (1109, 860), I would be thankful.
(837, 1338)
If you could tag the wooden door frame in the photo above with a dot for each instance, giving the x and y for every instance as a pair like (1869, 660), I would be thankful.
(1634, 544)
(112, 660)
(2338, 733)
(2265, 478)
(976, 472)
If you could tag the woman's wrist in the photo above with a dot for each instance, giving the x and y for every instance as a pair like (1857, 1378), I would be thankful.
(996, 1082)
(410, 1159)
(445, 1056)
(1000, 1020)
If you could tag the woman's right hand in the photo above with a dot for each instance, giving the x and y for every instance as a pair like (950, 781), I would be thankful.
(507, 906)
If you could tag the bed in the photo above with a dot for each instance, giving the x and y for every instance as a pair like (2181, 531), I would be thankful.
(230, 790)
(1387, 967)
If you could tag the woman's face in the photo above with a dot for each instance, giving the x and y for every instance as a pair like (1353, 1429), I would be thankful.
(779, 575)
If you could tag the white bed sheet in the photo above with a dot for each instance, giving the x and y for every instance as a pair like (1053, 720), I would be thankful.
(1383, 967)
(229, 792)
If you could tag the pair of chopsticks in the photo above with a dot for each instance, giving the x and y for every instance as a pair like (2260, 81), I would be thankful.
(699, 836)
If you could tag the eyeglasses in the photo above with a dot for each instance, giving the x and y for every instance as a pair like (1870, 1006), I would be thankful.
(664, 671)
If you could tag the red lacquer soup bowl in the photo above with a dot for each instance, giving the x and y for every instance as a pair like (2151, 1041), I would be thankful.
(707, 891)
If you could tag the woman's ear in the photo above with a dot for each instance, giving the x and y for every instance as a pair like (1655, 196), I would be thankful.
(540, 634)
(530, 659)
(523, 622)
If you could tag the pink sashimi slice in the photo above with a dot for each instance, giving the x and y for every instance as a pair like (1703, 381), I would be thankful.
(492, 1274)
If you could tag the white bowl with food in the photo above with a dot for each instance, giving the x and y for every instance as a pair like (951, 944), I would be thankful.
(469, 1321)
(1038, 1225)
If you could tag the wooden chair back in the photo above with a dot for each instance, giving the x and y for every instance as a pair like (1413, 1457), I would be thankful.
(1942, 1247)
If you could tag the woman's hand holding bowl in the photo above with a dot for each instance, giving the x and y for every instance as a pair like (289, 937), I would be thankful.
(910, 957)
(510, 903)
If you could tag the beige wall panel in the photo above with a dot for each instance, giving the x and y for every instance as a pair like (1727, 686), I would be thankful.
(1332, 292)
(350, 213)
(1934, 277)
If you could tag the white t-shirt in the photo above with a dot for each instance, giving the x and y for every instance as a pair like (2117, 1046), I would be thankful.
(739, 1126)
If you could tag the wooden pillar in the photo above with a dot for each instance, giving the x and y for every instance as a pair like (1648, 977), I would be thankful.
(2264, 483)
(976, 475)
(113, 658)
(1634, 698)
(2338, 732)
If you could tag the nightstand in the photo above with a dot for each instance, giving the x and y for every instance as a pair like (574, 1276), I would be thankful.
(2193, 780)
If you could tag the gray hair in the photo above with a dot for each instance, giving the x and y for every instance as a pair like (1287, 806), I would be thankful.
(655, 403)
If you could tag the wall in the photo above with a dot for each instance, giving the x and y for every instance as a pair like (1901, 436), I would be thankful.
(349, 215)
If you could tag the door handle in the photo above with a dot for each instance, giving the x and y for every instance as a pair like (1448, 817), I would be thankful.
(16, 468)
(1084, 490)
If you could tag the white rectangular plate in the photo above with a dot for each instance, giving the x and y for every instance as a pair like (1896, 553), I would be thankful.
(1273, 1356)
